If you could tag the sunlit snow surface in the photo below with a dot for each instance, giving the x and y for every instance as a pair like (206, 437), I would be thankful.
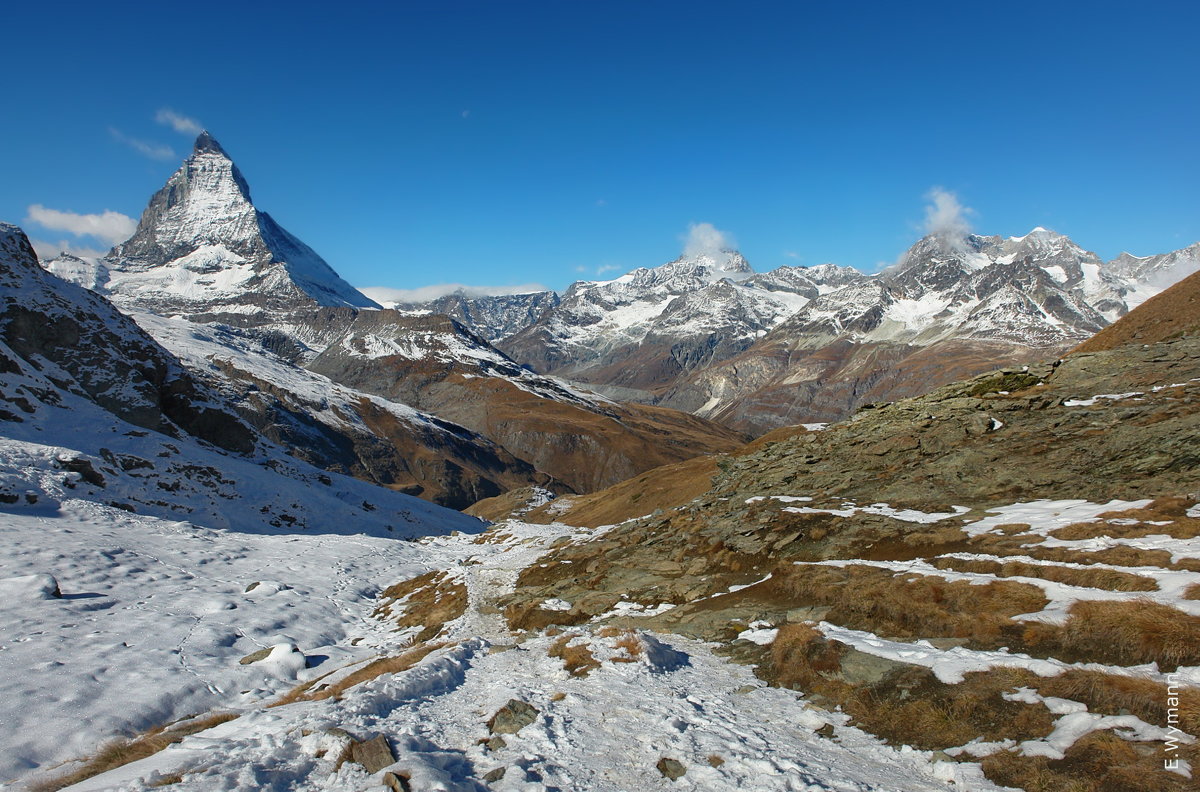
(156, 616)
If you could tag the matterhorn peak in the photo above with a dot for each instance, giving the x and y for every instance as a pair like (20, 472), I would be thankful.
(202, 249)
(207, 144)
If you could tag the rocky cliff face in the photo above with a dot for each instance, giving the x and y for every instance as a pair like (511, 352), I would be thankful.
(79, 342)
(491, 317)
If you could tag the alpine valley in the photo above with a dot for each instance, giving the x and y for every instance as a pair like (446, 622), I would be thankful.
(698, 527)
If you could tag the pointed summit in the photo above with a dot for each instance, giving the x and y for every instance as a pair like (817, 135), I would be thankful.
(207, 144)
(203, 250)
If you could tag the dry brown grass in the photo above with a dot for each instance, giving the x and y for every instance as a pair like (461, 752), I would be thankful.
(1120, 555)
(314, 691)
(910, 705)
(1108, 579)
(909, 606)
(1098, 762)
(168, 780)
(577, 658)
(1111, 694)
(120, 752)
(427, 601)
(1192, 592)
(1169, 510)
(1121, 633)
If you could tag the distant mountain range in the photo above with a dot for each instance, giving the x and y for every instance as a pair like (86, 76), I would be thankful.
(708, 335)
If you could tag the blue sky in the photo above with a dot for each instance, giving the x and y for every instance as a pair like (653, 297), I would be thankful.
(510, 143)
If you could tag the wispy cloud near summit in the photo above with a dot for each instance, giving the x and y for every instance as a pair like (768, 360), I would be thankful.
(180, 123)
(945, 216)
(705, 239)
(156, 151)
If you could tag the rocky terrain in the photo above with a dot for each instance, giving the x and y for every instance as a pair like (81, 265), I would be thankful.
(992, 586)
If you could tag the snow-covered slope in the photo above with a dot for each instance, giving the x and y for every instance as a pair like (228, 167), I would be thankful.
(203, 249)
(92, 407)
(337, 427)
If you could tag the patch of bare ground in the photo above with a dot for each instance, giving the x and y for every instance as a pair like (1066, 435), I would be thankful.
(120, 752)
(909, 606)
(1120, 633)
(314, 690)
(577, 658)
(530, 616)
(1099, 762)
(1101, 578)
(427, 601)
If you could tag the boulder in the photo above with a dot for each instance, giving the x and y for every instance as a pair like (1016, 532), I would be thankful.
(512, 717)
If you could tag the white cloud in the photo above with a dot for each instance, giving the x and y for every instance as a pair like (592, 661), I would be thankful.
(48, 250)
(168, 117)
(945, 216)
(384, 294)
(792, 254)
(152, 150)
(705, 239)
(108, 226)
(603, 268)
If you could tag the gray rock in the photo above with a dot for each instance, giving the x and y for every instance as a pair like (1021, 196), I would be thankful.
(671, 768)
(813, 613)
(397, 782)
(512, 717)
(373, 754)
(860, 668)
(255, 656)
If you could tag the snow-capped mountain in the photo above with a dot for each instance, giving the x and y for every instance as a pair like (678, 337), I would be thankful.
(492, 317)
(202, 249)
(645, 328)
